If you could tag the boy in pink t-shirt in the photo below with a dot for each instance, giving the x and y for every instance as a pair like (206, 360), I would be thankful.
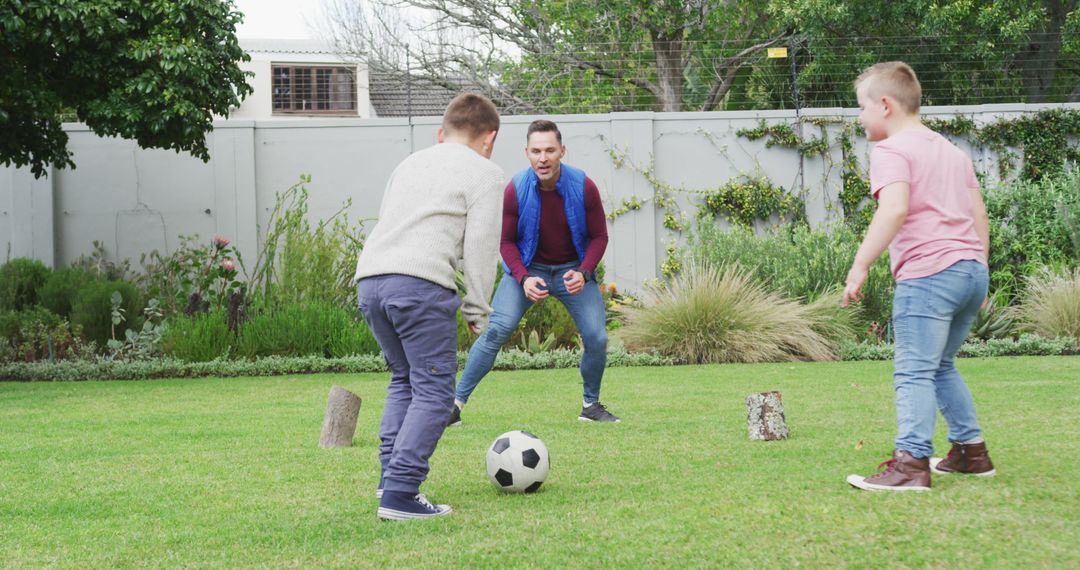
(931, 216)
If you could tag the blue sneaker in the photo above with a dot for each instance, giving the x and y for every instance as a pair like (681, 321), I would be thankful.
(399, 506)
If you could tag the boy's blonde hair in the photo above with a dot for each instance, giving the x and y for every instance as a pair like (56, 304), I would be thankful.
(472, 115)
(895, 79)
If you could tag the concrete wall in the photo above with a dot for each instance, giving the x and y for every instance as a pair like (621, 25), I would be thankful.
(135, 200)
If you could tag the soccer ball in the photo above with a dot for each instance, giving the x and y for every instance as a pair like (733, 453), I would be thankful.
(517, 462)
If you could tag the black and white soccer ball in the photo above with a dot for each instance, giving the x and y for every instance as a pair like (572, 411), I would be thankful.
(517, 462)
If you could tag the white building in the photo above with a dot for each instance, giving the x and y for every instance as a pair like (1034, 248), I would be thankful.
(302, 78)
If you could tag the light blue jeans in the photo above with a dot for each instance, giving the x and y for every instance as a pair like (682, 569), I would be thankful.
(586, 308)
(931, 319)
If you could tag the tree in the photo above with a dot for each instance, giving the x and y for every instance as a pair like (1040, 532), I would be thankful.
(156, 71)
(531, 55)
(965, 51)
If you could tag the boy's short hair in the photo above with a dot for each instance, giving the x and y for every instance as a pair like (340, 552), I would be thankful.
(543, 126)
(895, 79)
(472, 115)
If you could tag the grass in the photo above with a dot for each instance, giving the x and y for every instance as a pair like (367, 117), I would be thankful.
(227, 473)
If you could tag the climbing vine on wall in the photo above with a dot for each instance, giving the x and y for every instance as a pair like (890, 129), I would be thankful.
(1045, 141)
(748, 199)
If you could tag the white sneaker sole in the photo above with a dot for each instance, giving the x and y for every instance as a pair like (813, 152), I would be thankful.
(392, 515)
(859, 482)
(934, 463)
(584, 419)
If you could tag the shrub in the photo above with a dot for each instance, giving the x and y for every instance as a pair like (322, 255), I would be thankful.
(1027, 345)
(720, 314)
(1032, 225)
(106, 369)
(197, 338)
(194, 277)
(795, 261)
(1050, 306)
(92, 310)
(61, 288)
(305, 329)
(20, 280)
(302, 263)
(37, 334)
(13, 322)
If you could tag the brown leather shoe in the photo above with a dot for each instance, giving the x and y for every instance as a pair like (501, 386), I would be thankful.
(966, 459)
(901, 473)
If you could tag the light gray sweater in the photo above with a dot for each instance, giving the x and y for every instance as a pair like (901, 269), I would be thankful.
(442, 204)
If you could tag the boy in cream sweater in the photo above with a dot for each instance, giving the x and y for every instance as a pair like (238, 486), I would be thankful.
(441, 204)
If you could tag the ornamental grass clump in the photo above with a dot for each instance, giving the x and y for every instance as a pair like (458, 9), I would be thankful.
(710, 314)
(1050, 306)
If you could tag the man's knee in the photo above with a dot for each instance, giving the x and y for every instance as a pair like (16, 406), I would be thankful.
(497, 333)
(595, 339)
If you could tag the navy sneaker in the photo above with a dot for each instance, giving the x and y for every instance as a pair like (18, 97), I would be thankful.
(597, 413)
(455, 417)
(379, 491)
(399, 506)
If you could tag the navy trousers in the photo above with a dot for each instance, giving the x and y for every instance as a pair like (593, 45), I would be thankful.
(415, 322)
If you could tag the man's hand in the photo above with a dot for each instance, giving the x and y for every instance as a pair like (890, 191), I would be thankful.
(535, 289)
(855, 279)
(475, 328)
(574, 281)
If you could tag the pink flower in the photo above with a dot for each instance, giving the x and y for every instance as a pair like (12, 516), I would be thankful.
(220, 242)
(228, 264)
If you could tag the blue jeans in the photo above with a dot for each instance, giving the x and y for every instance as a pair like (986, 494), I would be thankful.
(415, 322)
(586, 308)
(931, 318)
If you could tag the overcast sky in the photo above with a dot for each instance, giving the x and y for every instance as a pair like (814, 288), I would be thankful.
(285, 19)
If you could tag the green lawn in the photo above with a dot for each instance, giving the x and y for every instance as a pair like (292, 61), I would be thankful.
(227, 473)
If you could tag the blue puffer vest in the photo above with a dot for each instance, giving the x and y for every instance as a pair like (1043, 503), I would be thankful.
(571, 186)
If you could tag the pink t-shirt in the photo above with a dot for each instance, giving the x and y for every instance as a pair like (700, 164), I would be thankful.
(940, 228)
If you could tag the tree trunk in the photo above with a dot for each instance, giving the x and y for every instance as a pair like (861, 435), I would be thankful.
(765, 416)
(1039, 61)
(339, 424)
(669, 69)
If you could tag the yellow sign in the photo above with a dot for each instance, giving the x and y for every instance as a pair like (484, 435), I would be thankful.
(777, 52)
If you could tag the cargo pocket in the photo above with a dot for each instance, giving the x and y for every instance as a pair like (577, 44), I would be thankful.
(442, 367)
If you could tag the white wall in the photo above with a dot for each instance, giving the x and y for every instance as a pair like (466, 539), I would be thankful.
(135, 200)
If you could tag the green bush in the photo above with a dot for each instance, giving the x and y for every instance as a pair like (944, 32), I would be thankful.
(201, 337)
(15, 327)
(305, 329)
(301, 262)
(20, 281)
(1050, 305)
(1032, 225)
(1027, 345)
(106, 369)
(38, 334)
(92, 310)
(61, 288)
(795, 261)
(721, 314)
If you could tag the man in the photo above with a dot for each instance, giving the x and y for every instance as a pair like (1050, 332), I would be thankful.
(441, 204)
(554, 233)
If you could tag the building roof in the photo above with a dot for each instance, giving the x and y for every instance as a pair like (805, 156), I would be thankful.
(395, 95)
(268, 45)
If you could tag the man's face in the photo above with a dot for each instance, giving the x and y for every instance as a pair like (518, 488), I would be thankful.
(545, 153)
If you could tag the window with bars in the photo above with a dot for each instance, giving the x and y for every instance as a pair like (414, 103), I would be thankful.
(314, 89)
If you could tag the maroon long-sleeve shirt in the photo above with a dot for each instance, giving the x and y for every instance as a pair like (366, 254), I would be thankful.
(556, 245)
